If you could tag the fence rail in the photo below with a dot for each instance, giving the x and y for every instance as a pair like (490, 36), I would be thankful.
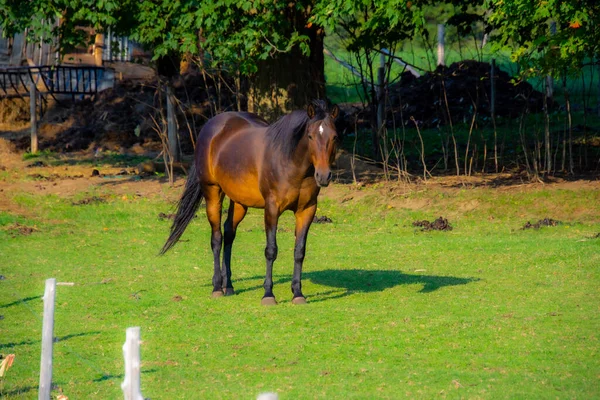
(53, 80)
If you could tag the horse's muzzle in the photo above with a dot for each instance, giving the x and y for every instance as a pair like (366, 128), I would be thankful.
(323, 178)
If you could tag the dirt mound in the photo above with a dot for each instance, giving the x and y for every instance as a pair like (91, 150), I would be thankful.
(162, 216)
(466, 86)
(540, 223)
(440, 224)
(89, 200)
(122, 117)
(322, 220)
(18, 229)
(347, 167)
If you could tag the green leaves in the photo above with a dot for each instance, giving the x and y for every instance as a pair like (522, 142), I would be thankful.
(540, 49)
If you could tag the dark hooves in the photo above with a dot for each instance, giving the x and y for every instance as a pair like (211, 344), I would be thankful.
(217, 293)
(229, 291)
(268, 301)
(299, 300)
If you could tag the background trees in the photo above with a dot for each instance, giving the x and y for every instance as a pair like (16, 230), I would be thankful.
(271, 53)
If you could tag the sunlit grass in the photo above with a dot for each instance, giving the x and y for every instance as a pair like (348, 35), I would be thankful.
(486, 310)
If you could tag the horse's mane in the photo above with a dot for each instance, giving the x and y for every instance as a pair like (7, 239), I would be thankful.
(285, 133)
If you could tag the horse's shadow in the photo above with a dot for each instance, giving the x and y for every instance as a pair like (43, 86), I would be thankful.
(350, 281)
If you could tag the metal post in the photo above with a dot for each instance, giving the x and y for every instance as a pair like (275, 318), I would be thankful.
(131, 351)
(33, 116)
(47, 340)
(440, 50)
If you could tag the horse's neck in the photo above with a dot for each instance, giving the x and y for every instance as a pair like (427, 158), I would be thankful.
(294, 168)
(301, 158)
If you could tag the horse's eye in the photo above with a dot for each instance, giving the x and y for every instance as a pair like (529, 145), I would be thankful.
(310, 137)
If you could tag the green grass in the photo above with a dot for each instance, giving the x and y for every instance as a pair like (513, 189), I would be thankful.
(486, 310)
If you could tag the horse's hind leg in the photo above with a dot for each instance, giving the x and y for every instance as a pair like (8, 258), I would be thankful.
(236, 214)
(214, 203)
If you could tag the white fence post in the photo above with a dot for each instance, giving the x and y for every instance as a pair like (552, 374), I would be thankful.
(131, 352)
(47, 340)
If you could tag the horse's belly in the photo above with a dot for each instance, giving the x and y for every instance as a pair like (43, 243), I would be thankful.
(235, 168)
(244, 190)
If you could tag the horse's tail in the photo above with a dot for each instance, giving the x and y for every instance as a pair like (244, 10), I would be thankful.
(186, 209)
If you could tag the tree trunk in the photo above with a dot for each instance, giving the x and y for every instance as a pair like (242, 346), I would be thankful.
(289, 81)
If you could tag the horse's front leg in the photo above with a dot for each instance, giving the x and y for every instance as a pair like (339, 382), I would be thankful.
(271, 219)
(303, 220)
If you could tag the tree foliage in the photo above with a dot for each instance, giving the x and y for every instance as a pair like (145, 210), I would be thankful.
(239, 33)
(40, 17)
(242, 33)
(370, 24)
(525, 27)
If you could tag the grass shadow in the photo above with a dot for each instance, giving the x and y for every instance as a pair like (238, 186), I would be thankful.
(57, 339)
(356, 280)
(10, 345)
(18, 391)
(349, 281)
(73, 335)
(14, 303)
(108, 377)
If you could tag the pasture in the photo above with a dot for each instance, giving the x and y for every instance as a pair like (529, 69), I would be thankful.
(486, 310)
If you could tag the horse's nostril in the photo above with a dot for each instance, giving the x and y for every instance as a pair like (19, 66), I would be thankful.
(329, 176)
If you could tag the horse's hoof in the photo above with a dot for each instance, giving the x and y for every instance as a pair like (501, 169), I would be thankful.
(229, 291)
(299, 300)
(217, 293)
(268, 301)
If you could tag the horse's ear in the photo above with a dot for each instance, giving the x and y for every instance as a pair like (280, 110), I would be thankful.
(335, 112)
(311, 111)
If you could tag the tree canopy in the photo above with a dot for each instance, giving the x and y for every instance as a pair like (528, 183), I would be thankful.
(242, 33)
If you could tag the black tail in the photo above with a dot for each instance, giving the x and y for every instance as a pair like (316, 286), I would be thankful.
(186, 209)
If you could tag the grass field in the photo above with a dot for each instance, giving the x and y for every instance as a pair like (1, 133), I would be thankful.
(487, 310)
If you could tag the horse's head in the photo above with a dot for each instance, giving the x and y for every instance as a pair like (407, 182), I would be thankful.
(322, 140)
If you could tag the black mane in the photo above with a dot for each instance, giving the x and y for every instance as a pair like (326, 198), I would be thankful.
(285, 133)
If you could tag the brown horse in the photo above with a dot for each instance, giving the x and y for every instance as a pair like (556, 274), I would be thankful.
(276, 167)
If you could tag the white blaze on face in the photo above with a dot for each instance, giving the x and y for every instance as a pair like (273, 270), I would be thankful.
(321, 129)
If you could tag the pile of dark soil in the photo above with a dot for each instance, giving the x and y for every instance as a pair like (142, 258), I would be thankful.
(540, 223)
(89, 200)
(17, 229)
(121, 117)
(466, 86)
(162, 216)
(440, 224)
(322, 220)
